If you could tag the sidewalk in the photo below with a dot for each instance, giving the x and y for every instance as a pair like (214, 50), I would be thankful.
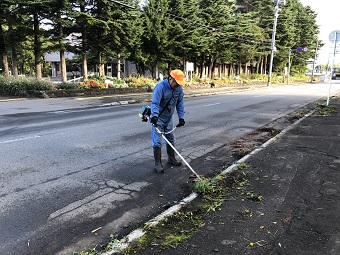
(295, 179)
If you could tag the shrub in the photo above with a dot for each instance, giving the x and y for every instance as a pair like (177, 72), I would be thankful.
(259, 77)
(139, 82)
(99, 79)
(132, 85)
(224, 81)
(15, 86)
(149, 85)
(117, 81)
(119, 85)
(196, 78)
(68, 85)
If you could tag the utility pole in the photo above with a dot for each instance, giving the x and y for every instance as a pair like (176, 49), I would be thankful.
(273, 48)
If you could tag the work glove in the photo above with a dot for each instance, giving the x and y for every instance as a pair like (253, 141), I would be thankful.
(181, 123)
(154, 120)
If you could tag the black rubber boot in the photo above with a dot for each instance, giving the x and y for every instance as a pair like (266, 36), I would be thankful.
(171, 156)
(157, 153)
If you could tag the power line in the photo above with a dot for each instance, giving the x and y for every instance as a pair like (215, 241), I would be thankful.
(117, 2)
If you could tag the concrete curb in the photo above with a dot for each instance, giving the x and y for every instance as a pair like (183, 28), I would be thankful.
(136, 101)
(13, 99)
(138, 233)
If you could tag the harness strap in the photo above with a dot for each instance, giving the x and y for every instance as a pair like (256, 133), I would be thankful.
(166, 105)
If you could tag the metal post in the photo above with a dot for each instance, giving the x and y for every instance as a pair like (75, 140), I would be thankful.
(276, 14)
(316, 52)
(288, 71)
(330, 78)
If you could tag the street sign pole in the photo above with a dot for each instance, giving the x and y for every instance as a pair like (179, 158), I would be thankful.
(333, 37)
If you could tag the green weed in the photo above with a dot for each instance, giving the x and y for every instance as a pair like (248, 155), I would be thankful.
(323, 110)
(254, 197)
(204, 186)
(170, 233)
(246, 212)
(242, 166)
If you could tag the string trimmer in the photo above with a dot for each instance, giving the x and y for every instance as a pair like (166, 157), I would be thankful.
(145, 115)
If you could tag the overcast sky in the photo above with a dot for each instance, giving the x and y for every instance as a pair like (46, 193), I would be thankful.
(328, 20)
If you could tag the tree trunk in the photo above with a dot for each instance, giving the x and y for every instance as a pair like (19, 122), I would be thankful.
(196, 68)
(84, 45)
(212, 67)
(202, 66)
(100, 64)
(22, 66)
(37, 47)
(3, 54)
(118, 66)
(143, 69)
(14, 56)
(234, 69)
(157, 73)
(62, 51)
(184, 61)
(84, 67)
(153, 72)
(63, 66)
(258, 66)
(31, 69)
(13, 47)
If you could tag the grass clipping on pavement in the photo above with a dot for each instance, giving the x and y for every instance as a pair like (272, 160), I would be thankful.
(175, 229)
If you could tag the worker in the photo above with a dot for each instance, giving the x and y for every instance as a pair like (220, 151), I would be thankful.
(168, 95)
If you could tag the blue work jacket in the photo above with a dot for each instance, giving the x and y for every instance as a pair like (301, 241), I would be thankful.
(161, 95)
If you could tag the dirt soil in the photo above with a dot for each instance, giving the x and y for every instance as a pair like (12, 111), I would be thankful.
(284, 200)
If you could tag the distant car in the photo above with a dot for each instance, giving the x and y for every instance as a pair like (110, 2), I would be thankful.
(335, 73)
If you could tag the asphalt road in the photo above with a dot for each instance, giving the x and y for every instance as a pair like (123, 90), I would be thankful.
(65, 173)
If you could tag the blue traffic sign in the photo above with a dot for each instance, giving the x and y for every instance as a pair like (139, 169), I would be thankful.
(299, 49)
(334, 36)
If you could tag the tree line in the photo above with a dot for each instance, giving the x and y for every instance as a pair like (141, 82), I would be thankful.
(221, 35)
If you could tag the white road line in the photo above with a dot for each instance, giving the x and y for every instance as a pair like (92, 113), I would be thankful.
(211, 104)
(207, 105)
(20, 139)
(61, 111)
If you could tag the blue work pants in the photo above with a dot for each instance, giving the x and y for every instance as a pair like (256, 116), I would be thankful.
(163, 126)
